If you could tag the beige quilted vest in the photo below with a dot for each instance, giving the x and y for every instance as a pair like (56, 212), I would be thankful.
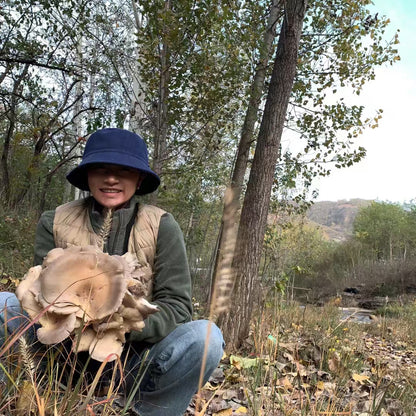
(72, 226)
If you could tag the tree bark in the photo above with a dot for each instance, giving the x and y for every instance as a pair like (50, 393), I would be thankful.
(161, 117)
(137, 103)
(247, 133)
(11, 115)
(236, 323)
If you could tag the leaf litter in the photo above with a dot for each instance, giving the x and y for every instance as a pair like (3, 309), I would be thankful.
(364, 376)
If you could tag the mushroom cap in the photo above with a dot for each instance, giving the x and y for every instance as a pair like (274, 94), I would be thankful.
(86, 282)
(24, 291)
(52, 255)
(55, 328)
(90, 294)
(108, 346)
(83, 339)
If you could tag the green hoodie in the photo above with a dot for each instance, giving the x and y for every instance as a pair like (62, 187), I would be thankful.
(171, 282)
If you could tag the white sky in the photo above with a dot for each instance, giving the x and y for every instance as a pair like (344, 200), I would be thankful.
(387, 173)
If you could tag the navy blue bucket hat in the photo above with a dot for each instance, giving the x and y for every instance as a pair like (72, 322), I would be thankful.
(117, 147)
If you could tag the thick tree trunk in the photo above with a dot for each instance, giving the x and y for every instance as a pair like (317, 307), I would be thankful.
(250, 120)
(236, 323)
(247, 133)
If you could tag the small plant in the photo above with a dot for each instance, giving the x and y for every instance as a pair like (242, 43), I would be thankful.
(16, 246)
(49, 381)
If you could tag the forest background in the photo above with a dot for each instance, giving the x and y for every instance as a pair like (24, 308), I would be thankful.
(211, 86)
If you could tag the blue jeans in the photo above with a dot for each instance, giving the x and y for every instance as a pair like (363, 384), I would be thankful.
(172, 367)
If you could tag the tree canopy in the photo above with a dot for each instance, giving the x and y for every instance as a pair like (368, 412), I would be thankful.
(185, 75)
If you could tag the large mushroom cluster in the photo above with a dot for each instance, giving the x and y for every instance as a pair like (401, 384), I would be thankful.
(94, 297)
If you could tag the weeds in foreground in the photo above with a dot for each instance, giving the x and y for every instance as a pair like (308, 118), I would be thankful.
(309, 361)
(52, 381)
(298, 362)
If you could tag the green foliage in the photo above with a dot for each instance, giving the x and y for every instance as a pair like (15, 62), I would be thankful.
(378, 259)
(292, 251)
(16, 246)
(341, 45)
(386, 230)
(81, 65)
(204, 52)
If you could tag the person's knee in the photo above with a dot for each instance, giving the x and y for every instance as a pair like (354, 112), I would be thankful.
(209, 341)
(9, 304)
(8, 300)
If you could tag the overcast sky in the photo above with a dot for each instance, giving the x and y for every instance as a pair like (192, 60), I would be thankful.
(388, 171)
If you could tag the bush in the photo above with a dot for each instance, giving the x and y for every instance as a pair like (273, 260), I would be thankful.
(17, 233)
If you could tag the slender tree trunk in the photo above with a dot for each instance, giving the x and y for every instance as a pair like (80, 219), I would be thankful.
(11, 115)
(162, 110)
(77, 119)
(32, 169)
(236, 323)
(247, 133)
(137, 104)
(161, 119)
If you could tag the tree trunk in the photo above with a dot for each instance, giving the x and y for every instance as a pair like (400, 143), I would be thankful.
(11, 115)
(247, 133)
(137, 103)
(161, 117)
(236, 323)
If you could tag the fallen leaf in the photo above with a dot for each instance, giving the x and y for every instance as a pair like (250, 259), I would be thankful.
(361, 378)
(320, 385)
(242, 362)
(334, 363)
(285, 384)
(225, 412)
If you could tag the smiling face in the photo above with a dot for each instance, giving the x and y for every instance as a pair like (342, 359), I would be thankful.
(113, 185)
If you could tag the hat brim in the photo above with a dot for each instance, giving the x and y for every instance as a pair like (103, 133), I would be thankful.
(79, 178)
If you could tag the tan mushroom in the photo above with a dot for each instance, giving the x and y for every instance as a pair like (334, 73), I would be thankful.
(114, 322)
(55, 328)
(84, 339)
(52, 255)
(87, 282)
(140, 303)
(110, 345)
(82, 287)
(24, 291)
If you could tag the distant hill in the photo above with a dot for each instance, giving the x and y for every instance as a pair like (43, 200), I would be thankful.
(336, 218)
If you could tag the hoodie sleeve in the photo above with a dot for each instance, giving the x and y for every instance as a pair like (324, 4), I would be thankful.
(171, 287)
(44, 241)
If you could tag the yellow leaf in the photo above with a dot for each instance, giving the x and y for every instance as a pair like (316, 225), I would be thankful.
(242, 362)
(225, 412)
(209, 386)
(242, 410)
(285, 384)
(320, 385)
(361, 378)
(26, 400)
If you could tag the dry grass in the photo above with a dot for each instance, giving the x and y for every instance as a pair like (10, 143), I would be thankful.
(51, 381)
(298, 361)
(308, 361)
